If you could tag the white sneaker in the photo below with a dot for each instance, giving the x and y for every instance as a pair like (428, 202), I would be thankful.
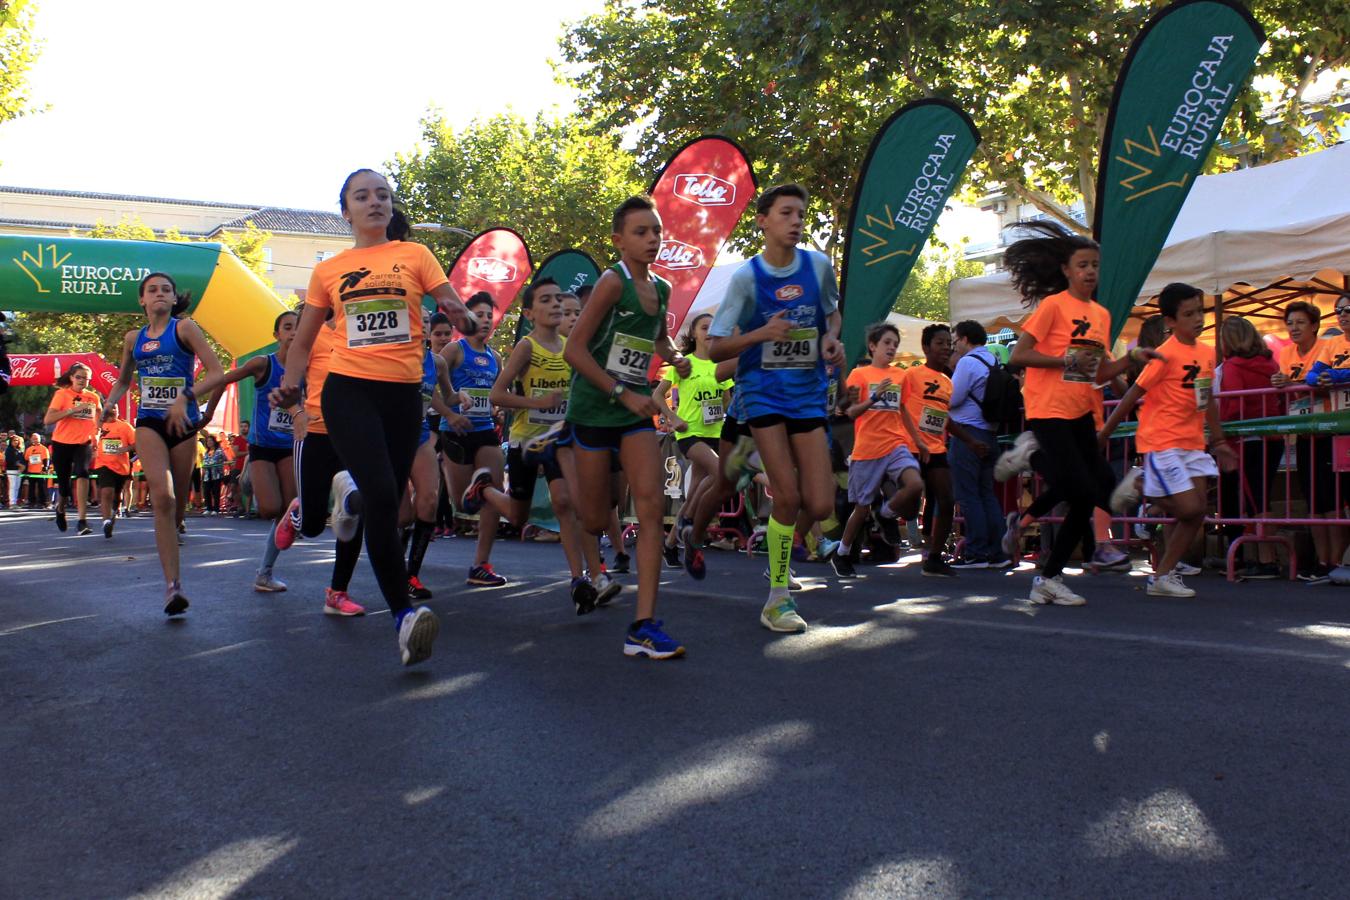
(267, 583)
(1054, 590)
(1012, 537)
(344, 522)
(416, 633)
(1186, 569)
(1168, 585)
(606, 588)
(1126, 495)
(793, 583)
(782, 615)
(1018, 459)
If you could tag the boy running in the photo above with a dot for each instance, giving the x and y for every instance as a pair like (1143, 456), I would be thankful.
(785, 302)
(1171, 435)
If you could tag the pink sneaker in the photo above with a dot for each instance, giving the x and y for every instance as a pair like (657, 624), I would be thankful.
(337, 603)
(285, 535)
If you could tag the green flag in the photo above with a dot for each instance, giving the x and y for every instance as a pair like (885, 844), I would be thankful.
(915, 162)
(572, 269)
(1175, 89)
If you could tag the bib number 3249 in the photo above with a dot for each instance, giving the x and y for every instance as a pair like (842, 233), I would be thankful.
(801, 350)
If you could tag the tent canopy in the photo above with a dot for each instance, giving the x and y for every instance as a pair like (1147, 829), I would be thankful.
(1284, 222)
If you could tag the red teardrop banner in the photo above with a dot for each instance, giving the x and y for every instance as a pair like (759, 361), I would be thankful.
(496, 261)
(700, 194)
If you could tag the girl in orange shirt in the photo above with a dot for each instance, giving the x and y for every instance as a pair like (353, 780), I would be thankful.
(76, 412)
(372, 400)
(1063, 348)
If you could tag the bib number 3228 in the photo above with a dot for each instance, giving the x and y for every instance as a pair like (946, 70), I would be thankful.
(374, 322)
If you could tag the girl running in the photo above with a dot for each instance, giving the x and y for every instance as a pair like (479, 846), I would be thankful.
(112, 464)
(702, 403)
(610, 407)
(163, 355)
(76, 412)
(271, 440)
(372, 400)
(1063, 348)
(469, 439)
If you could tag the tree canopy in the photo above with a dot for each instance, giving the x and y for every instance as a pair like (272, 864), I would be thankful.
(18, 52)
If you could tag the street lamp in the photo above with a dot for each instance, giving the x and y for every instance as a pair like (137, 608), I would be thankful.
(438, 227)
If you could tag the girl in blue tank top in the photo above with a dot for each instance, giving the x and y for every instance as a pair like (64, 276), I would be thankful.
(271, 442)
(162, 355)
(474, 375)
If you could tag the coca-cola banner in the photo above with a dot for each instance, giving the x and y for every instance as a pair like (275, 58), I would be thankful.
(42, 370)
(496, 261)
(701, 194)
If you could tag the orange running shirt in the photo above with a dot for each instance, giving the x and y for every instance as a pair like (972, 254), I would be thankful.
(1172, 416)
(1060, 322)
(316, 375)
(879, 430)
(1336, 353)
(376, 297)
(1296, 366)
(37, 455)
(114, 436)
(81, 427)
(926, 394)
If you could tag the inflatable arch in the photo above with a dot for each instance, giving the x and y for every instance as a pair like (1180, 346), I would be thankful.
(93, 276)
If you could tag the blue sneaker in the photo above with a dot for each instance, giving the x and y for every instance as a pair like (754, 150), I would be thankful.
(650, 641)
(472, 500)
(417, 630)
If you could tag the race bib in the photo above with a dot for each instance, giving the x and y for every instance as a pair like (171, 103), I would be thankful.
(159, 393)
(550, 415)
(280, 420)
(713, 412)
(482, 406)
(1340, 399)
(933, 420)
(374, 322)
(1303, 406)
(35, 460)
(1203, 391)
(889, 401)
(84, 409)
(801, 350)
(112, 445)
(1084, 360)
(629, 358)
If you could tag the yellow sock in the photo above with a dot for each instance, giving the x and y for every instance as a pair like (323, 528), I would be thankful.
(780, 552)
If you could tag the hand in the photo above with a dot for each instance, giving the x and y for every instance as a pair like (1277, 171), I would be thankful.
(924, 454)
(679, 424)
(639, 404)
(458, 424)
(1142, 355)
(832, 350)
(682, 365)
(299, 424)
(881, 388)
(465, 401)
(1279, 379)
(176, 417)
(460, 316)
(1323, 379)
(549, 401)
(1227, 457)
(283, 396)
(979, 448)
(776, 329)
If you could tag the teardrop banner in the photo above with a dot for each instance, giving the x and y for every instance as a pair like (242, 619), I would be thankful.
(496, 261)
(573, 269)
(914, 164)
(1174, 92)
(700, 195)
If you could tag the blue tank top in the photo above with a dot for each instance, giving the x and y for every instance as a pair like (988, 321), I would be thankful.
(428, 387)
(475, 373)
(163, 367)
(271, 426)
(785, 377)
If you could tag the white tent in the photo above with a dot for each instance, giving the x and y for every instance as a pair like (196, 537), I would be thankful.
(1254, 225)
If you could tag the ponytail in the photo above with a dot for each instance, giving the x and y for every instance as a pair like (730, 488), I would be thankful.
(399, 228)
(1036, 263)
(64, 379)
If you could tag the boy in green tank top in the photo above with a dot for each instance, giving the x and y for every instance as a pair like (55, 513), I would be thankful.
(611, 408)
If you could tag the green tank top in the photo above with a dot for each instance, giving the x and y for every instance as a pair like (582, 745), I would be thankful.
(623, 346)
(546, 373)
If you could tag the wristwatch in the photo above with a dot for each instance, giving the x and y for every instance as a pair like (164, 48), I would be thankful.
(616, 392)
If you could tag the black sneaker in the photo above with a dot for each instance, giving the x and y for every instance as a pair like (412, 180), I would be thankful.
(107, 528)
(622, 563)
(1319, 573)
(60, 519)
(843, 566)
(935, 567)
(890, 529)
(672, 553)
(970, 562)
(82, 528)
(583, 596)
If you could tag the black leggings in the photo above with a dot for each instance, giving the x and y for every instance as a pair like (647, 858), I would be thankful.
(1074, 468)
(374, 427)
(68, 460)
(211, 494)
(316, 462)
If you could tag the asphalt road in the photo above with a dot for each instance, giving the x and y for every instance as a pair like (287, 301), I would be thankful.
(926, 737)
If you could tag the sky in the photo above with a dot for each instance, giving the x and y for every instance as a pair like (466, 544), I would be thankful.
(270, 102)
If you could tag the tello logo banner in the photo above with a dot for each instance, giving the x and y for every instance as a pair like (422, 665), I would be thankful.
(491, 269)
(705, 190)
(676, 255)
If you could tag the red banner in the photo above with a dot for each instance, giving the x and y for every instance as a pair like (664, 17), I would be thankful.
(496, 261)
(700, 194)
(42, 370)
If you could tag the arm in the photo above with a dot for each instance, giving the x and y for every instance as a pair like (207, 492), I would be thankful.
(254, 368)
(963, 378)
(126, 371)
(448, 302)
(1123, 409)
(726, 369)
(830, 347)
(723, 349)
(1026, 355)
(502, 396)
(297, 358)
(56, 415)
(447, 393)
(913, 433)
(958, 431)
(866, 403)
(1110, 368)
(191, 336)
(1222, 450)
(659, 398)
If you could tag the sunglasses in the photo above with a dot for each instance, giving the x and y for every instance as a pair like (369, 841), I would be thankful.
(1342, 309)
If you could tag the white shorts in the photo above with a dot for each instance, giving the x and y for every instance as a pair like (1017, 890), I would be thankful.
(1168, 472)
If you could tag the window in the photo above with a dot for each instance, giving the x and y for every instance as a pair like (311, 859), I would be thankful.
(324, 254)
(267, 259)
